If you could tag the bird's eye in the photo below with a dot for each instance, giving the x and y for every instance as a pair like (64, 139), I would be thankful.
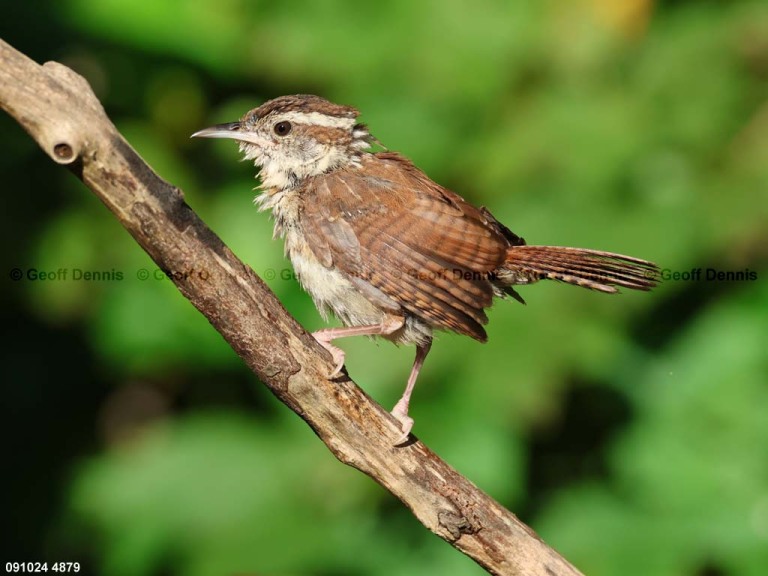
(282, 128)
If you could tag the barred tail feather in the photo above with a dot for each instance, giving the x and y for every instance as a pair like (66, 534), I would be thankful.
(593, 269)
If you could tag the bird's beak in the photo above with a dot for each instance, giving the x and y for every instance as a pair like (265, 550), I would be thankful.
(231, 130)
(228, 130)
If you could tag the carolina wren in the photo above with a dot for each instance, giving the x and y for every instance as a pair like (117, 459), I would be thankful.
(387, 250)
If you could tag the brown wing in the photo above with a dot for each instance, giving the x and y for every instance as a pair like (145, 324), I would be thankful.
(421, 245)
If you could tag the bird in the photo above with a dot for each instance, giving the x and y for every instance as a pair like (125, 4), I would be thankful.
(385, 249)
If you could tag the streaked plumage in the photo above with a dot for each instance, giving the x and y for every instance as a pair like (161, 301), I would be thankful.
(387, 250)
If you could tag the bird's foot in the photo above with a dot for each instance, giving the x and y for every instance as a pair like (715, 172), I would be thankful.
(337, 353)
(400, 412)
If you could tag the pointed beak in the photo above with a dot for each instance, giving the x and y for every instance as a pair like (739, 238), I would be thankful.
(233, 131)
(228, 130)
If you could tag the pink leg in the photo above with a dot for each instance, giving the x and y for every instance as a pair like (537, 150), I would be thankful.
(400, 411)
(328, 335)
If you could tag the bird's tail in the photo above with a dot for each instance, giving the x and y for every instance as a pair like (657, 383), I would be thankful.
(593, 269)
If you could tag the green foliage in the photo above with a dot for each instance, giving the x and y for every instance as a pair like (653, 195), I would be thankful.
(206, 492)
(639, 129)
(689, 478)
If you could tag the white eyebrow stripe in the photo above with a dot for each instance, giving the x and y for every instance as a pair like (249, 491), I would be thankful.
(317, 119)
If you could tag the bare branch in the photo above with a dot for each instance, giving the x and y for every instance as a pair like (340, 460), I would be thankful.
(59, 110)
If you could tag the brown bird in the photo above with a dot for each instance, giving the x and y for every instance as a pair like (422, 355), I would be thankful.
(385, 249)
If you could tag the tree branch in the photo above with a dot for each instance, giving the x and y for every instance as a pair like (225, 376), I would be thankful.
(59, 110)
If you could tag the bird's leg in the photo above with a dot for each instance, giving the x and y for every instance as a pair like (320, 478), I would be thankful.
(400, 411)
(327, 335)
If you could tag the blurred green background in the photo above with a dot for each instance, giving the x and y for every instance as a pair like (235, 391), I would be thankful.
(631, 432)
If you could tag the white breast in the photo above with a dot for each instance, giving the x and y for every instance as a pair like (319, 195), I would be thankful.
(330, 290)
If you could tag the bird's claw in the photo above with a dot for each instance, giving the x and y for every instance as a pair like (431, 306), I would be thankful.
(339, 361)
(337, 354)
(406, 423)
